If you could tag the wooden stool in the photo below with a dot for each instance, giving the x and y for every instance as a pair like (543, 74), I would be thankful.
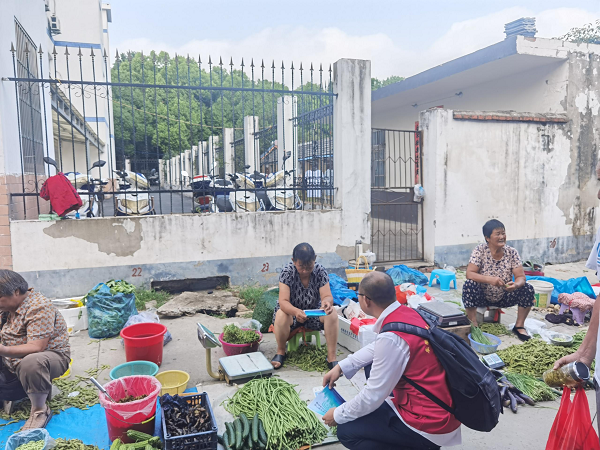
(294, 339)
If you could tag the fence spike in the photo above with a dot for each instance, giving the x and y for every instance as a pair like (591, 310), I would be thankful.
(273, 66)
(199, 60)
(79, 53)
(321, 67)
(252, 63)
(292, 65)
(117, 54)
(209, 60)
(26, 48)
(231, 61)
(329, 67)
(301, 66)
(282, 66)
(54, 51)
(220, 61)
(142, 54)
(262, 63)
(105, 55)
(242, 64)
(129, 56)
(67, 51)
(311, 67)
(41, 52)
(12, 47)
(92, 54)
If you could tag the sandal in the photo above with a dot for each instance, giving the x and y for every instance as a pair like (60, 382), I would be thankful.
(38, 420)
(522, 337)
(278, 359)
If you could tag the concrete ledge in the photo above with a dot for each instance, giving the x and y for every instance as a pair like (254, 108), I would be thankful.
(568, 249)
(262, 270)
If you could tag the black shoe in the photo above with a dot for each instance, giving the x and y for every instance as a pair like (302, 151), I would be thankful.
(522, 337)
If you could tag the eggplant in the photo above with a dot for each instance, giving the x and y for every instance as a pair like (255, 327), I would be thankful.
(513, 401)
(527, 400)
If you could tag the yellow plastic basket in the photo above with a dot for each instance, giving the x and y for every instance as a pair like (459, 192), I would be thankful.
(67, 373)
(173, 381)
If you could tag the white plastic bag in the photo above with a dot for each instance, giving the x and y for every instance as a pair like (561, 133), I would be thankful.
(366, 335)
(37, 434)
(415, 300)
(252, 324)
(419, 193)
(353, 310)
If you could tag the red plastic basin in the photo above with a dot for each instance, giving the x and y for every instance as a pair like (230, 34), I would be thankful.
(144, 342)
(238, 349)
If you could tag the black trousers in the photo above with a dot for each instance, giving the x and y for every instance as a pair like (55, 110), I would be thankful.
(381, 430)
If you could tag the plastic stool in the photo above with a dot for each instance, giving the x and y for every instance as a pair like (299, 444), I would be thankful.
(443, 278)
(294, 339)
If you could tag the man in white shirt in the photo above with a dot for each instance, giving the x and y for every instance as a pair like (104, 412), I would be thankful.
(374, 420)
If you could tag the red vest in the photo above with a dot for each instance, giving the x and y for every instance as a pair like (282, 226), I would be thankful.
(423, 368)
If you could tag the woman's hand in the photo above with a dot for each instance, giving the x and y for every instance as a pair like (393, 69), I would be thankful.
(327, 307)
(511, 287)
(300, 316)
(577, 356)
(496, 281)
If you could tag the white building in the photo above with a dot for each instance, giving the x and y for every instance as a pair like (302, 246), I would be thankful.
(509, 132)
(52, 119)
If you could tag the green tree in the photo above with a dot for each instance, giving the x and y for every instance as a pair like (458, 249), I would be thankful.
(589, 34)
(376, 83)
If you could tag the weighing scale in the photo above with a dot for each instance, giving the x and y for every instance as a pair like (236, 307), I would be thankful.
(443, 314)
(237, 368)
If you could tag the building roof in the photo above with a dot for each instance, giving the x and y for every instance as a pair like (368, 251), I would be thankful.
(512, 55)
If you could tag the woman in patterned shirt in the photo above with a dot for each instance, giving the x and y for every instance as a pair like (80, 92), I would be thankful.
(303, 284)
(34, 346)
(489, 278)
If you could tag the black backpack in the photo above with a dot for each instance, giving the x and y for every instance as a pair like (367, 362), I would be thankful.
(473, 388)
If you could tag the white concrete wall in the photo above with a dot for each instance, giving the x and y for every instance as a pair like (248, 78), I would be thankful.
(478, 170)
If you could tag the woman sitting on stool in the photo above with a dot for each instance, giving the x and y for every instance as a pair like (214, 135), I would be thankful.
(489, 278)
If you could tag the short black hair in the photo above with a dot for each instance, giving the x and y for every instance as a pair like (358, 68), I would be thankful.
(490, 226)
(379, 287)
(11, 282)
(304, 253)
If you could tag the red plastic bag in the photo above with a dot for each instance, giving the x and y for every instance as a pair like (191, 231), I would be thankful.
(356, 323)
(572, 428)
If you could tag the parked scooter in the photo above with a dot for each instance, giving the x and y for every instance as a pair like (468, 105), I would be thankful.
(208, 190)
(88, 188)
(129, 201)
(243, 197)
(280, 191)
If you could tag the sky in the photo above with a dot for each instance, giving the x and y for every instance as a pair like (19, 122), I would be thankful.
(399, 37)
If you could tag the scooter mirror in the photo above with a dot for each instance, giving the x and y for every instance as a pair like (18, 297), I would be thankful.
(287, 155)
(99, 163)
(50, 161)
(247, 167)
(184, 174)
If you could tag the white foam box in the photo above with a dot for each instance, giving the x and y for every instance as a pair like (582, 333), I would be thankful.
(346, 338)
(76, 318)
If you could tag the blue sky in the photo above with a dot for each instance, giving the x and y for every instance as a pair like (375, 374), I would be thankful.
(399, 37)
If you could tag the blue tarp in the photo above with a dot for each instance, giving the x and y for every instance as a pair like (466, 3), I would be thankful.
(569, 286)
(89, 426)
(403, 274)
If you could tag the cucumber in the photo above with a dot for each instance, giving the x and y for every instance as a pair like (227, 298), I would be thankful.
(226, 441)
(249, 442)
(245, 425)
(230, 433)
(237, 425)
(255, 428)
(261, 432)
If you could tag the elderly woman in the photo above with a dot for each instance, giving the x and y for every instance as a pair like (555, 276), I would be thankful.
(34, 346)
(303, 285)
(490, 278)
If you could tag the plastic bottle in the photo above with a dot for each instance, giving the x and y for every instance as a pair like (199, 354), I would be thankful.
(569, 375)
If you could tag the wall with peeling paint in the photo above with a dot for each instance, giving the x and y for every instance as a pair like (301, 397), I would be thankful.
(478, 170)
(69, 257)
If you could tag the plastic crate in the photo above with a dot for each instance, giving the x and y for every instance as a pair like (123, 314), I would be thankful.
(198, 441)
(346, 338)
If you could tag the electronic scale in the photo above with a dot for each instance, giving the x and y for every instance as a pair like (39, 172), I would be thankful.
(443, 314)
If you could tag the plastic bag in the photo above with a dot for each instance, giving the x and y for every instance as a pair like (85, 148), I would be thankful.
(572, 428)
(148, 316)
(108, 313)
(403, 274)
(339, 289)
(136, 385)
(366, 335)
(252, 324)
(419, 193)
(415, 300)
(569, 286)
(24, 437)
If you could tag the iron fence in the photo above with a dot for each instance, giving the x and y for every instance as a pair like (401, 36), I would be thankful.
(154, 134)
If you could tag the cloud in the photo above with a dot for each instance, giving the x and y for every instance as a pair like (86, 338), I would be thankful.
(327, 45)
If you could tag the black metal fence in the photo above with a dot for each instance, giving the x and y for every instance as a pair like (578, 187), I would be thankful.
(396, 219)
(155, 134)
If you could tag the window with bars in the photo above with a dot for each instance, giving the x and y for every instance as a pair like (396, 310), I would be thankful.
(32, 144)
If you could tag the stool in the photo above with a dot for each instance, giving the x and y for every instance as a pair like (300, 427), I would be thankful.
(443, 278)
(494, 315)
(294, 339)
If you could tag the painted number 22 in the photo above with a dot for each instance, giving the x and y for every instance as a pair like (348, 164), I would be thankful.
(265, 267)
(137, 272)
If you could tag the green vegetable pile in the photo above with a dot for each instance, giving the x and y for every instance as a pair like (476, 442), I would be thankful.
(478, 336)
(288, 422)
(87, 396)
(244, 434)
(497, 329)
(235, 335)
(533, 357)
(32, 445)
(263, 311)
(120, 286)
(142, 441)
(309, 358)
(72, 444)
(532, 387)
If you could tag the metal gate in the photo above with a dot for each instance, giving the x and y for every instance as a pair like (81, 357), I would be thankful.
(396, 219)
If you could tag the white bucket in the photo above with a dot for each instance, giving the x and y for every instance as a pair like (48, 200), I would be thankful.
(543, 292)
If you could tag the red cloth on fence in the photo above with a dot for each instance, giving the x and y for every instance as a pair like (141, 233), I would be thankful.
(61, 193)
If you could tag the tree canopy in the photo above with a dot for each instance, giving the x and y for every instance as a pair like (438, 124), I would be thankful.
(376, 83)
(589, 34)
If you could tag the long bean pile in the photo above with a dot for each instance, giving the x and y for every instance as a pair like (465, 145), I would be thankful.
(309, 358)
(288, 422)
(534, 388)
(235, 335)
(478, 336)
(533, 357)
(72, 444)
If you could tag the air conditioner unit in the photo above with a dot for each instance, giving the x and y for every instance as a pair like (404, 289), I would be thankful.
(54, 24)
